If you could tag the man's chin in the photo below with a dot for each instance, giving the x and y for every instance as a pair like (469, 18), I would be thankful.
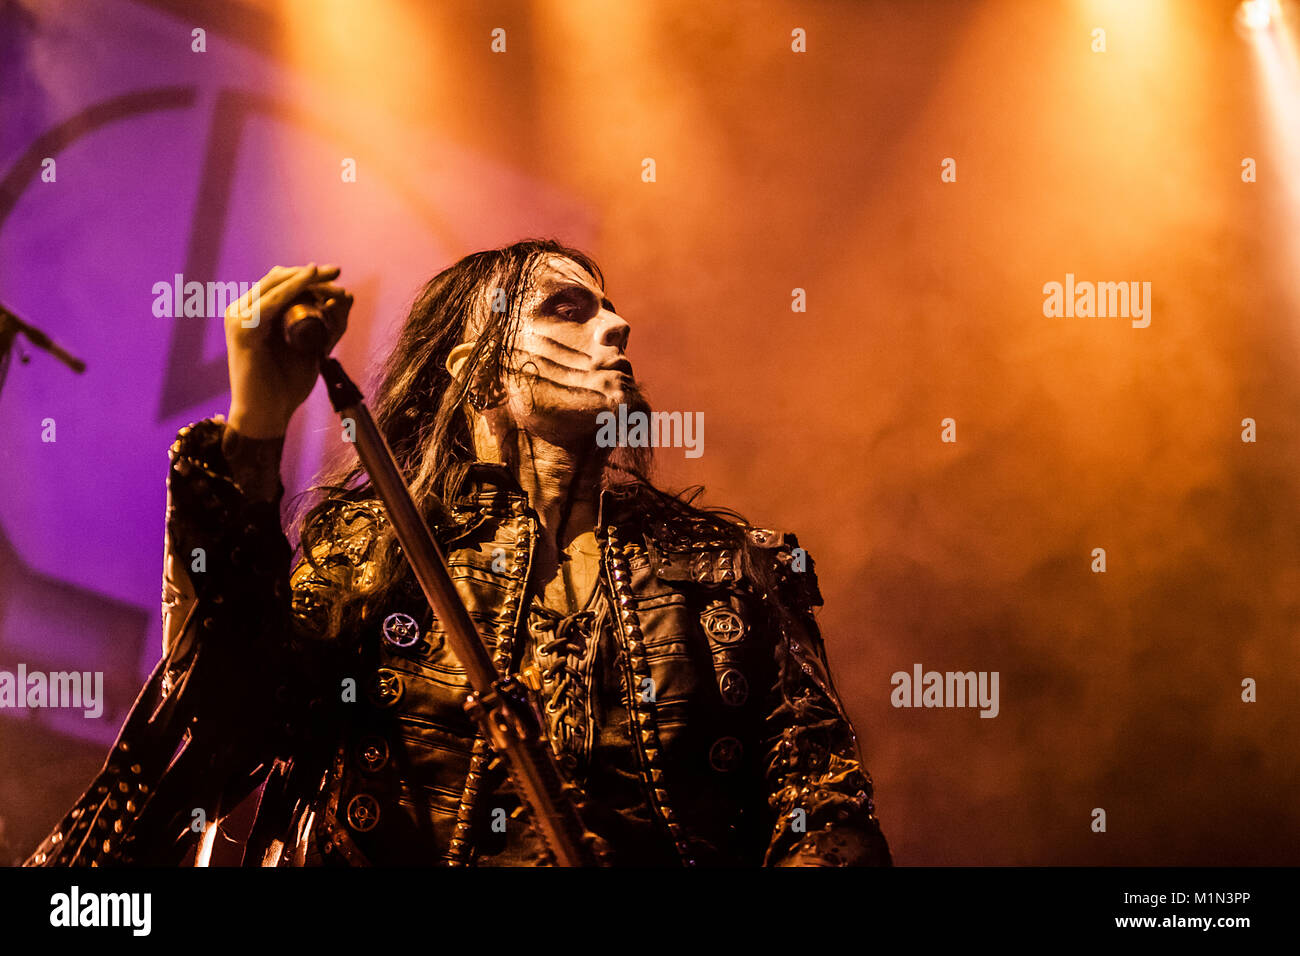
(595, 415)
(632, 397)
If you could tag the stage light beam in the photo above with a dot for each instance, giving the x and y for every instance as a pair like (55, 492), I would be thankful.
(1258, 14)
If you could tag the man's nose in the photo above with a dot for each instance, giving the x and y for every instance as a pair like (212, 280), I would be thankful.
(614, 330)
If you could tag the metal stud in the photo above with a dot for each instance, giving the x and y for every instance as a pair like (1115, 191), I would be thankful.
(363, 813)
(373, 754)
(401, 630)
(722, 623)
(385, 688)
(725, 754)
(734, 687)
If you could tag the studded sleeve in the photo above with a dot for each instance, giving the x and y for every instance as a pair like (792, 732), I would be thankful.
(226, 558)
(228, 563)
(199, 736)
(819, 790)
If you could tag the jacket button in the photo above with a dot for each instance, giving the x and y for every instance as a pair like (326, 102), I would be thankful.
(401, 630)
(373, 754)
(723, 624)
(363, 812)
(724, 755)
(734, 687)
(385, 688)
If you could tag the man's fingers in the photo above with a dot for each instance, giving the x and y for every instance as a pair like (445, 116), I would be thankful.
(328, 290)
(275, 275)
(280, 296)
(280, 276)
(278, 287)
(270, 290)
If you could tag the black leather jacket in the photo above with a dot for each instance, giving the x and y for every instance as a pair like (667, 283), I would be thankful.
(690, 700)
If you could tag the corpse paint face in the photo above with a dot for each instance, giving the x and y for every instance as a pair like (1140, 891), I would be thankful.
(569, 361)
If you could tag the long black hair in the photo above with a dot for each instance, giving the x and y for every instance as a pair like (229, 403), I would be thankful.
(419, 407)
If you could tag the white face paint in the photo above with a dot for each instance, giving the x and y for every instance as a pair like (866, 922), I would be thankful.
(569, 356)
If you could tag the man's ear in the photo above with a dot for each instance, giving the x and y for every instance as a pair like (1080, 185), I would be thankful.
(477, 395)
(457, 358)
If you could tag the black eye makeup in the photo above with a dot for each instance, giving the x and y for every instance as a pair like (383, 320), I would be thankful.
(574, 302)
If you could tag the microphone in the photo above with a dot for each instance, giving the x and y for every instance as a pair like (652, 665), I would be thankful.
(304, 324)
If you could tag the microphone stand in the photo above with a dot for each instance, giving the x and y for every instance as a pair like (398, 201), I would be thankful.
(499, 704)
(11, 326)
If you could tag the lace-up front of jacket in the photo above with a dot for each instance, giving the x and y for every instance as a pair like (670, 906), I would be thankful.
(563, 651)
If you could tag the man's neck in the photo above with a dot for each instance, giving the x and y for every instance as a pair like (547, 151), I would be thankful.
(562, 481)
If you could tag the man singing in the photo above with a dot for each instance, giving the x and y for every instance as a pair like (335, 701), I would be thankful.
(671, 650)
